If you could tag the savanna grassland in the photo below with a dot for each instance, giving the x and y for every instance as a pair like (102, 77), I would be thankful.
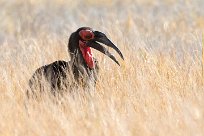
(157, 91)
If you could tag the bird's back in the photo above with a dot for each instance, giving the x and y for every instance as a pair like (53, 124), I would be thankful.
(61, 75)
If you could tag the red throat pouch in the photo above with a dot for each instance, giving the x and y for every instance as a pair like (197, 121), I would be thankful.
(87, 54)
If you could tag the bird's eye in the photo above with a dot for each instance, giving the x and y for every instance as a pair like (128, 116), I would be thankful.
(89, 36)
(86, 34)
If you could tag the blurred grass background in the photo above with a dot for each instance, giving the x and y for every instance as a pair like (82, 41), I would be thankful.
(158, 90)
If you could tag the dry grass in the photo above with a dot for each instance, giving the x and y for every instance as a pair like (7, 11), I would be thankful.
(158, 90)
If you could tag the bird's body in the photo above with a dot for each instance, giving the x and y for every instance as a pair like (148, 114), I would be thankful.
(61, 74)
(81, 69)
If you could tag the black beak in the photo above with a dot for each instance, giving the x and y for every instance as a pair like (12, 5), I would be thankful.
(102, 38)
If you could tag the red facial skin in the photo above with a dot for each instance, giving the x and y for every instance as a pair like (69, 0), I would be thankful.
(86, 34)
(86, 51)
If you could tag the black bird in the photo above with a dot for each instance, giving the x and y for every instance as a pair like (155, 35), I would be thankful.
(82, 68)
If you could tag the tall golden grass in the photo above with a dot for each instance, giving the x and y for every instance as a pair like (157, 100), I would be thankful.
(157, 90)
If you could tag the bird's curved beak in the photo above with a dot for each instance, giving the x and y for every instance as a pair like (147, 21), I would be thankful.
(102, 38)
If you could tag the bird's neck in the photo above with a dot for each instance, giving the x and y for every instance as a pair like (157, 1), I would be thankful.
(82, 71)
(78, 61)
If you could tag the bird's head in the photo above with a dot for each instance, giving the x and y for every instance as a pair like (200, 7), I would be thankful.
(86, 38)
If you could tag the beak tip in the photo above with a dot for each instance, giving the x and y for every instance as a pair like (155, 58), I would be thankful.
(121, 55)
(118, 63)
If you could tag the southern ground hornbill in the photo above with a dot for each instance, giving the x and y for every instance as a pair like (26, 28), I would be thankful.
(82, 68)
